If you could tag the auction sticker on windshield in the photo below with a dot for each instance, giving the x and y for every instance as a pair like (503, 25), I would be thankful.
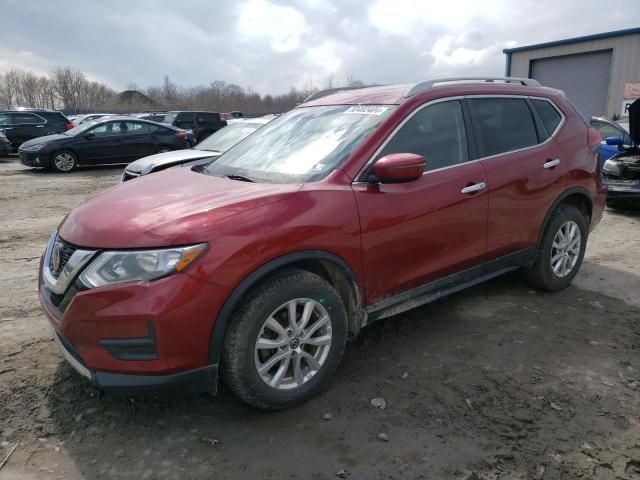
(367, 109)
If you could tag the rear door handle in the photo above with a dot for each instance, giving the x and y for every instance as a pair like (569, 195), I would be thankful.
(476, 187)
(39, 126)
(551, 163)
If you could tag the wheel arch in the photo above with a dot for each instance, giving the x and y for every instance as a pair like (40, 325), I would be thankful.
(64, 148)
(575, 196)
(327, 265)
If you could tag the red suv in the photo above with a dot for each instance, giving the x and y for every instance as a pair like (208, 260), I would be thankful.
(352, 207)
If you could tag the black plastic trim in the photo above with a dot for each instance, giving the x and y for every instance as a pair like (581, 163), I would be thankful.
(558, 200)
(129, 349)
(220, 327)
(453, 283)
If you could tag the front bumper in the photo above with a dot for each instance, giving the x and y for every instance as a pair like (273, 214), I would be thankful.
(136, 335)
(34, 159)
(622, 189)
(203, 379)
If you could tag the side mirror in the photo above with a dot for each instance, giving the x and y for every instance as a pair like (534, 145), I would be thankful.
(614, 141)
(399, 167)
(89, 135)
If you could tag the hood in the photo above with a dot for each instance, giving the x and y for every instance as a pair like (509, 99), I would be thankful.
(634, 122)
(169, 158)
(154, 210)
(46, 139)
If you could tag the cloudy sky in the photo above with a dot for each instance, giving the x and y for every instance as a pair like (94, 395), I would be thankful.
(270, 45)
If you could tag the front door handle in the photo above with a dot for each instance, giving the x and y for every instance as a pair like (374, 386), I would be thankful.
(551, 163)
(476, 187)
(39, 126)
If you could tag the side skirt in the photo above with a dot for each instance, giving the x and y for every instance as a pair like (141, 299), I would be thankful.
(453, 283)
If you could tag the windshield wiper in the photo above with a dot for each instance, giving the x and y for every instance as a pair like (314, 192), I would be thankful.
(240, 178)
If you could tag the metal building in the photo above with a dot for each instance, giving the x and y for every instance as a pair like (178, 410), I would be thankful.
(599, 73)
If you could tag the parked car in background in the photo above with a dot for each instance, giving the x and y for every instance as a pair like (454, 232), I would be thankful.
(25, 124)
(347, 209)
(80, 119)
(152, 116)
(112, 140)
(621, 172)
(203, 153)
(202, 124)
(5, 145)
(232, 115)
(608, 129)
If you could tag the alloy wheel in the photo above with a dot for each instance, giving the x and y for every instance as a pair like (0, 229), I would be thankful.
(565, 249)
(64, 162)
(293, 344)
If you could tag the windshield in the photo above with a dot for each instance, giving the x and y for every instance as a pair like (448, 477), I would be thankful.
(83, 127)
(303, 145)
(227, 137)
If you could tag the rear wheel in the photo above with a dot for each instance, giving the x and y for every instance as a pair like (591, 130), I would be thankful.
(561, 250)
(64, 161)
(285, 341)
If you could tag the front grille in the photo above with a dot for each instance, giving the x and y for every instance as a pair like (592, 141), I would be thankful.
(60, 255)
(129, 176)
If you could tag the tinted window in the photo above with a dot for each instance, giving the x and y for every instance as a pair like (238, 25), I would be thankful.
(25, 118)
(208, 118)
(606, 129)
(184, 120)
(436, 132)
(54, 117)
(4, 119)
(111, 128)
(504, 124)
(548, 115)
(169, 117)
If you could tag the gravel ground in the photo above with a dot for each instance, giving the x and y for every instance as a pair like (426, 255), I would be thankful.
(499, 381)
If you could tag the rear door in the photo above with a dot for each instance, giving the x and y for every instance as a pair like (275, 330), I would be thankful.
(25, 126)
(525, 170)
(138, 141)
(417, 232)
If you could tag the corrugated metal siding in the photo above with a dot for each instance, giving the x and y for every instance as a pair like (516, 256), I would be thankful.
(584, 77)
(625, 63)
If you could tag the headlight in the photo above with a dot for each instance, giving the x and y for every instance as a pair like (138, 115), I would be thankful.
(611, 168)
(143, 265)
(34, 148)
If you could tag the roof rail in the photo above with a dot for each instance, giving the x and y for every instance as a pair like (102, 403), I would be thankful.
(329, 91)
(429, 84)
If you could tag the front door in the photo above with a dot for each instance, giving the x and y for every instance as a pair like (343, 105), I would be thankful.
(420, 231)
(103, 144)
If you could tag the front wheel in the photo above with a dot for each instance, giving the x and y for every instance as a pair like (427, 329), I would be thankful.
(561, 250)
(285, 341)
(64, 161)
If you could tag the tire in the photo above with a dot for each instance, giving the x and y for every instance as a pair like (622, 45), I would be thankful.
(163, 149)
(241, 356)
(64, 161)
(542, 274)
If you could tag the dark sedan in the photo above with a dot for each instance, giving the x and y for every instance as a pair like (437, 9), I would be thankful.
(5, 145)
(111, 140)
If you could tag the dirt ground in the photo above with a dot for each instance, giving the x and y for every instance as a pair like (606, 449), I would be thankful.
(499, 381)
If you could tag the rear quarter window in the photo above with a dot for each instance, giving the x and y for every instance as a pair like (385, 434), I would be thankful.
(54, 117)
(208, 118)
(503, 125)
(548, 115)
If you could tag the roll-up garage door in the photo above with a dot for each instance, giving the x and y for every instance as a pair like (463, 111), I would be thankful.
(584, 78)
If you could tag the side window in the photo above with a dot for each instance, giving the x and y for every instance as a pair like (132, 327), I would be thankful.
(436, 132)
(108, 129)
(210, 119)
(504, 124)
(548, 115)
(26, 119)
(135, 128)
(184, 120)
(5, 119)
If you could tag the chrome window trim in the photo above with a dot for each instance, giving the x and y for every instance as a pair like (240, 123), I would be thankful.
(76, 262)
(359, 180)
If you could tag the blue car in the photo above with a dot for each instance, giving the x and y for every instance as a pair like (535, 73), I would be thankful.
(614, 135)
